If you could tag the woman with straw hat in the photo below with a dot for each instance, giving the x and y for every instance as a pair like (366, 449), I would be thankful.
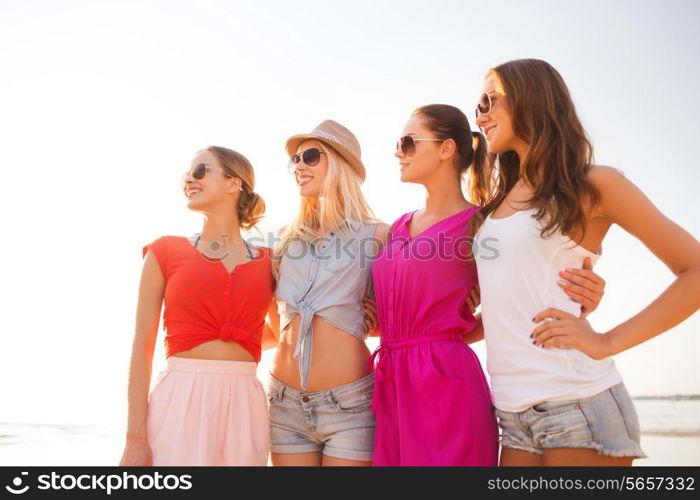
(320, 387)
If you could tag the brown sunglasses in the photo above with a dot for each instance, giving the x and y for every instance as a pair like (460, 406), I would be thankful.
(407, 143)
(485, 104)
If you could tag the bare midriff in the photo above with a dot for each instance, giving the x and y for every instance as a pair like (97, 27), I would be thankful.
(337, 358)
(217, 349)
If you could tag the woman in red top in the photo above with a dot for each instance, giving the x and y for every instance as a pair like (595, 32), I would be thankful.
(207, 407)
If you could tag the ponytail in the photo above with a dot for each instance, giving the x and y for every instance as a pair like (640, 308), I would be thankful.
(251, 208)
(477, 176)
(477, 186)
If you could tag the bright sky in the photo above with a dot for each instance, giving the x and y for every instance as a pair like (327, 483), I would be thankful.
(102, 106)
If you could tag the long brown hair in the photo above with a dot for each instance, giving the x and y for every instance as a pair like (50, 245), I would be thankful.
(251, 207)
(559, 155)
(448, 122)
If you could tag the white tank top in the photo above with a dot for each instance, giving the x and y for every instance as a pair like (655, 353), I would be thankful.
(518, 273)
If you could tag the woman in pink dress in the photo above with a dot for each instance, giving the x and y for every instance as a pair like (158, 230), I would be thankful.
(431, 399)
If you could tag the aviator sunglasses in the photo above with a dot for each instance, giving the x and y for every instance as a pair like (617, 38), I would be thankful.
(310, 157)
(200, 170)
(407, 144)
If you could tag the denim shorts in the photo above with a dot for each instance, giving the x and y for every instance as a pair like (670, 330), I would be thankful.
(338, 422)
(606, 422)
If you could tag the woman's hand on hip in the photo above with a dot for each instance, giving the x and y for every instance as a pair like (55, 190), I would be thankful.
(560, 329)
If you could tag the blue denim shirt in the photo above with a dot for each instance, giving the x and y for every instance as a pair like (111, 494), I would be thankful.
(329, 278)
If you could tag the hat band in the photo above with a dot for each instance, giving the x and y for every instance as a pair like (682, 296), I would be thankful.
(326, 135)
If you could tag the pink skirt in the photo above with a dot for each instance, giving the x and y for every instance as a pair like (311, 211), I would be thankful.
(208, 412)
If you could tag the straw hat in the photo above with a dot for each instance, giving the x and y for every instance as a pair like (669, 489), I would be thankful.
(336, 136)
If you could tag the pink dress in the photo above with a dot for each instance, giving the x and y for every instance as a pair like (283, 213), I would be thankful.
(431, 399)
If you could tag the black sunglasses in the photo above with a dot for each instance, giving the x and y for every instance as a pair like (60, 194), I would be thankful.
(200, 170)
(310, 157)
(407, 144)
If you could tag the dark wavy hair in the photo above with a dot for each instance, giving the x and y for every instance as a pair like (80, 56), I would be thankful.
(559, 156)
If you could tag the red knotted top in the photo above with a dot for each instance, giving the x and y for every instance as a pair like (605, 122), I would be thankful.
(204, 302)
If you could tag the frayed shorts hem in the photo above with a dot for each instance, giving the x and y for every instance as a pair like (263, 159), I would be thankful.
(606, 422)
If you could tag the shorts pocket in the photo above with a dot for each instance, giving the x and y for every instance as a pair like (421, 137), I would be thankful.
(512, 433)
(628, 411)
(280, 414)
(272, 390)
(505, 415)
(555, 407)
(564, 426)
(508, 422)
(351, 403)
(272, 394)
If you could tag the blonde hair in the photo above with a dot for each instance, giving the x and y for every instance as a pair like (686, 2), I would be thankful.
(341, 200)
(251, 207)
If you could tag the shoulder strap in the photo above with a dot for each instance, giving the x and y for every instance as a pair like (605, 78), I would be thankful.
(250, 253)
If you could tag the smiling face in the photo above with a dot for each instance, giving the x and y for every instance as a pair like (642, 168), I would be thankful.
(497, 124)
(211, 189)
(310, 178)
(427, 157)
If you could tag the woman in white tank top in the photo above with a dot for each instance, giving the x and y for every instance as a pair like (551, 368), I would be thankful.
(557, 392)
